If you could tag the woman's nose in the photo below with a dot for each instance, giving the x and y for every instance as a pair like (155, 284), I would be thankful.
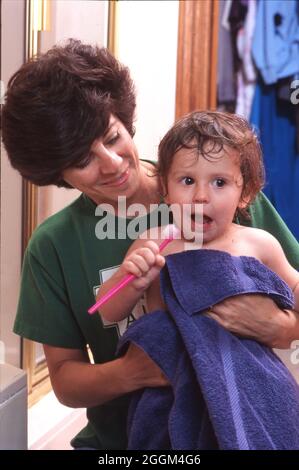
(110, 161)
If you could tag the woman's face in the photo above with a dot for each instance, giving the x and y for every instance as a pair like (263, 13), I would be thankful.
(111, 168)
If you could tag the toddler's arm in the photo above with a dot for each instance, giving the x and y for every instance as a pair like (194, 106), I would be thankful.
(145, 262)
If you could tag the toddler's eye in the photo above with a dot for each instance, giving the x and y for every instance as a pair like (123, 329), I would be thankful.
(219, 182)
(188, 180)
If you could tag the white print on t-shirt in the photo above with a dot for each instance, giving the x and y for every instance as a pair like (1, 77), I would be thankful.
(295, 354)
(136, 313)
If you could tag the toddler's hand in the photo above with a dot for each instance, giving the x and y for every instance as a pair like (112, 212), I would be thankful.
(145, 263)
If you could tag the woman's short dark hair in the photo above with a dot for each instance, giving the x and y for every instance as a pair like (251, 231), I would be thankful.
(209, 132)
(58, 103)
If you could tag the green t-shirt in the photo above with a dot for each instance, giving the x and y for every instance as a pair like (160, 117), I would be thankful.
(64, 264)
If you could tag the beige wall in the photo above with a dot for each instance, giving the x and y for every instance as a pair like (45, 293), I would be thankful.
(12, 56)
(147, 43)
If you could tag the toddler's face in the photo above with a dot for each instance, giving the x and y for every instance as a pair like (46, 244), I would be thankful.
(211, 188)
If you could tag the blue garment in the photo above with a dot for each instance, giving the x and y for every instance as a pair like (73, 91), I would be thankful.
(276, 124)
(226, 392)
(275, 47)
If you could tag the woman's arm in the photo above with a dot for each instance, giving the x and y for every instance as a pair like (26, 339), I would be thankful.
(79, 384)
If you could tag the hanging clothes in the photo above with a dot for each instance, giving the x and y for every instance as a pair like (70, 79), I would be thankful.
(275, 46)
(275, 50)
(226, 86)
(247, 72)
(232, 14)
(237, 16)
(276, 123)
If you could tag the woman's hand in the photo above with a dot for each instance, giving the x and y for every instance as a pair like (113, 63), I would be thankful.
(258, 317)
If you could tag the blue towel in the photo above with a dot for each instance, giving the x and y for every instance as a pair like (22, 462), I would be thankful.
(226, 392)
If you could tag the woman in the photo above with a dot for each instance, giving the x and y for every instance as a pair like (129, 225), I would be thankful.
(68, 121)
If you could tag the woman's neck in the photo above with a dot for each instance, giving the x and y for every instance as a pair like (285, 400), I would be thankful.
(149, 191)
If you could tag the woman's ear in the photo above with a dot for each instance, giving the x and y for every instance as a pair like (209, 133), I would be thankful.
(163, 190)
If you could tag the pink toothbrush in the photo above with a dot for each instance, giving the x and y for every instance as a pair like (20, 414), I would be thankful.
(171, 234)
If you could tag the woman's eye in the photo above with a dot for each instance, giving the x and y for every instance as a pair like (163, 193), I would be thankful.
(219, 182)
(113, 138)
(187, 180)
(84, 162)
